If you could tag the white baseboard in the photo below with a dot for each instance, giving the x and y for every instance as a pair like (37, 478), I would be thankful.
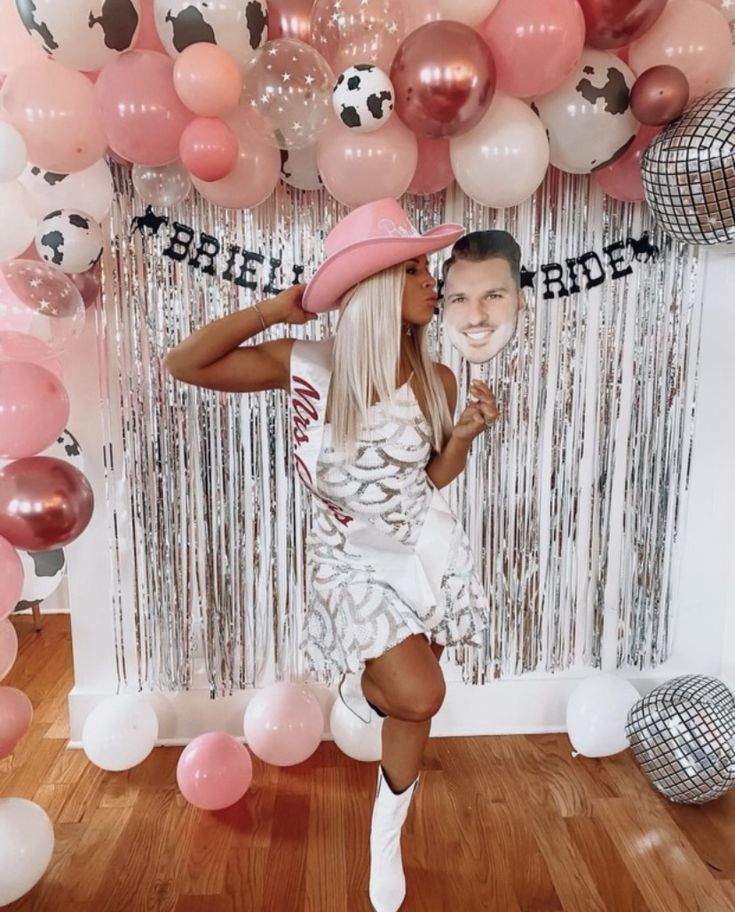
(526, 705)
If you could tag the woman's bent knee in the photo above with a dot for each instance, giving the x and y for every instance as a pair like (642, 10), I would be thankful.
(419, 705)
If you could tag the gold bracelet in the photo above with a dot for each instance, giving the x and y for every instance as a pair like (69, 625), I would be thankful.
(262, 319)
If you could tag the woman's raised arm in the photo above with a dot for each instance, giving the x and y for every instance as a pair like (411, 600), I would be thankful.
(213, 357)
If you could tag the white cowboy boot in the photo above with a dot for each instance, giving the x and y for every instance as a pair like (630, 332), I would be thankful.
(350, 692)
(387, 881)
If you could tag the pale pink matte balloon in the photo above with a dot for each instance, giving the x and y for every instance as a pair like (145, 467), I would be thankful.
(11, 574)
(16, 715)
(535, 43)
(17, 346)
(16, 45)
(692, 36)
(434, 169)
(142, 116)
(52, 106)
(214, 771)
(256, 172)
(358, 168)
(208, 148)
(8, 647)
(147, 38)
(34, 409)
(207, 79)
(284, 723)
(623, 180)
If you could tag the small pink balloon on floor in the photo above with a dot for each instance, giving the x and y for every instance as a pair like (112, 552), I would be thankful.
(623, 180)
(11, 574)
(284, 724)
(8, 647)
(214, 771)
(45, 503)
(16, 715)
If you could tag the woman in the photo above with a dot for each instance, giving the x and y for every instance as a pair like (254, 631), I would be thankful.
(391, 575)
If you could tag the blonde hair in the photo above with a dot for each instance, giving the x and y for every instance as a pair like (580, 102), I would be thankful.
(366, 354)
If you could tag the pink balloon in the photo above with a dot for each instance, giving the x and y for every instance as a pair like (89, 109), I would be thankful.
(434, 169)
(535, 43)
(208, 80)
(16, 715)
(34, 409)
(89, 284)
(16, 45)
(360, 167)
(16, 346)
(142, 116)
(290, 19)
(8, 647)
(45, 503)
(693, 37)
(147, 38)
(208, 148)
(622, 180)
(214, 771)
(284, 723)
(11, 574)
(256, 172)
(52, 106)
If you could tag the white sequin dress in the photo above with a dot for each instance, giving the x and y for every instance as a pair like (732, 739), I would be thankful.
(408, 569)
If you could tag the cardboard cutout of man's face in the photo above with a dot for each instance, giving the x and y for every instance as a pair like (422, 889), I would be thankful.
(481, 306)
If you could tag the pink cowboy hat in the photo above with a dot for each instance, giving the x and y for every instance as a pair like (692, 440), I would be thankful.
(369, 239)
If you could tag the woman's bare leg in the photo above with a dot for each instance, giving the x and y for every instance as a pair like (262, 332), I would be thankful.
(406, 683)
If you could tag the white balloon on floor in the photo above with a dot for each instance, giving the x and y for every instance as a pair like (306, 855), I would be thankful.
(596, 715)
(357, 739)
(120, 732)
(26, 847)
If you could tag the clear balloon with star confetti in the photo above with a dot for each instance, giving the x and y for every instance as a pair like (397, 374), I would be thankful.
(40, 300)
(290, 85)
(347, 32)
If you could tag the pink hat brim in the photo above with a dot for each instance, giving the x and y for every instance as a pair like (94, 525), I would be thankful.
(358, 261)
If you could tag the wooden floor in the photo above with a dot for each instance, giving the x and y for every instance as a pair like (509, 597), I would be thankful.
(499, 824)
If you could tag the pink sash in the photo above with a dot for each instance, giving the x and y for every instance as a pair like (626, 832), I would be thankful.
(415, 573)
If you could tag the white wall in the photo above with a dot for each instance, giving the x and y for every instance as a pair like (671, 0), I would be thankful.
(704, 594)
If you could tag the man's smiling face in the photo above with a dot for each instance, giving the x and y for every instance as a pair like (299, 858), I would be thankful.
(481, 305)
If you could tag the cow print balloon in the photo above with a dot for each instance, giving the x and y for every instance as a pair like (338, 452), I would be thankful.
(238, 28)
(69, 239)
(82, 34)
(363, 97)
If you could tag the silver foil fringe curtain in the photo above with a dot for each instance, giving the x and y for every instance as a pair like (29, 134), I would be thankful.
(573, 502)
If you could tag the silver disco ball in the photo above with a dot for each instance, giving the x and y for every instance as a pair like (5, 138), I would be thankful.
(683, 736)
(689, 172)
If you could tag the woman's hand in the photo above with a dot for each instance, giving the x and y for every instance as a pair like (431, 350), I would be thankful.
(287, 305)
(479, 413)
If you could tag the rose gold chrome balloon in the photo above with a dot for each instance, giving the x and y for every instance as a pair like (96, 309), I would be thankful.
(45, 503)
(444, 79)
(659, 95)
(615, 23)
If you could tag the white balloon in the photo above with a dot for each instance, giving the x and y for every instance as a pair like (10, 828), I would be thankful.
(82, 34)
(18, 220)
(503, 159)
(26, 847)
(120, 732)
(90, 190)
(588, 116)
(363, 97)
(357, 739)
(238, 28)
(43, 572)
(471, 12)
(299, 168)
(69, 239)
(13, 153)
(596, 715)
